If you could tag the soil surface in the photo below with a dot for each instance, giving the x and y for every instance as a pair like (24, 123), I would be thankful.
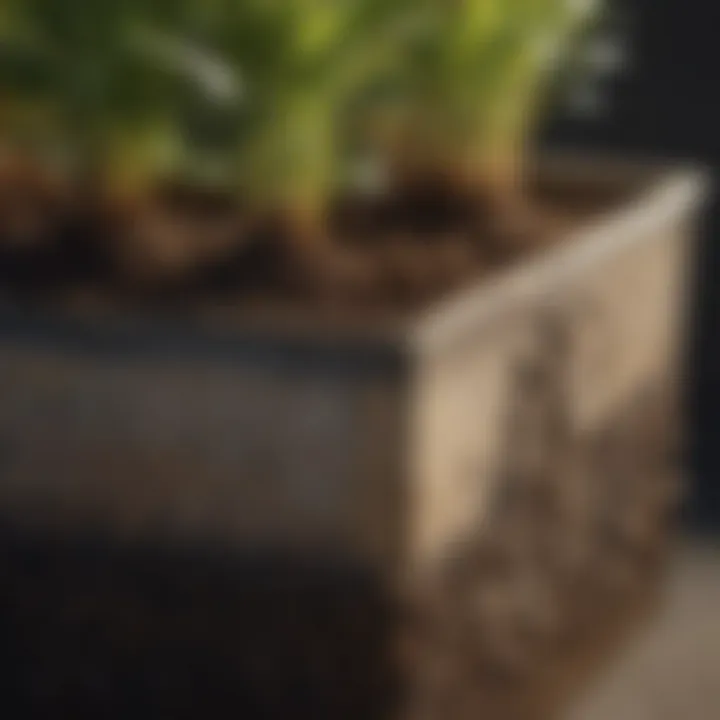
(186, 249)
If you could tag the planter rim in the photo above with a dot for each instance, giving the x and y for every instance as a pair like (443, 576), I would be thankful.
(664, 190)
(667, 191)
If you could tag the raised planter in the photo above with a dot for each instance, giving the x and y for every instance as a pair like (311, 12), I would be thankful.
(490, 468)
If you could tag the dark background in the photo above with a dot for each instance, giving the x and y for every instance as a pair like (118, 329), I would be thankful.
(666, 103)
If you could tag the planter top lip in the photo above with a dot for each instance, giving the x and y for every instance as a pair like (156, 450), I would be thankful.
(658, 191)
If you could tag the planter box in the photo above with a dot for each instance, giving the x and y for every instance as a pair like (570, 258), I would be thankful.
(475, 464)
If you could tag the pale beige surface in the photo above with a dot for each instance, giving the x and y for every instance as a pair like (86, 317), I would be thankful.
(672, 670)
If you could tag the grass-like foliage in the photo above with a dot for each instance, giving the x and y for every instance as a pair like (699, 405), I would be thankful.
(266, 97)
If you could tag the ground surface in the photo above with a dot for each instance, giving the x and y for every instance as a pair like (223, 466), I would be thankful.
(671, 669)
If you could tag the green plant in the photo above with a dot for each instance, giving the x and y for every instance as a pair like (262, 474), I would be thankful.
(262, 96)
(253, 93)
(301, 65)
(479, 74)
(98, 98)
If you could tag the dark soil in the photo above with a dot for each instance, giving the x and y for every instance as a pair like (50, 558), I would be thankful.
(186, 247)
